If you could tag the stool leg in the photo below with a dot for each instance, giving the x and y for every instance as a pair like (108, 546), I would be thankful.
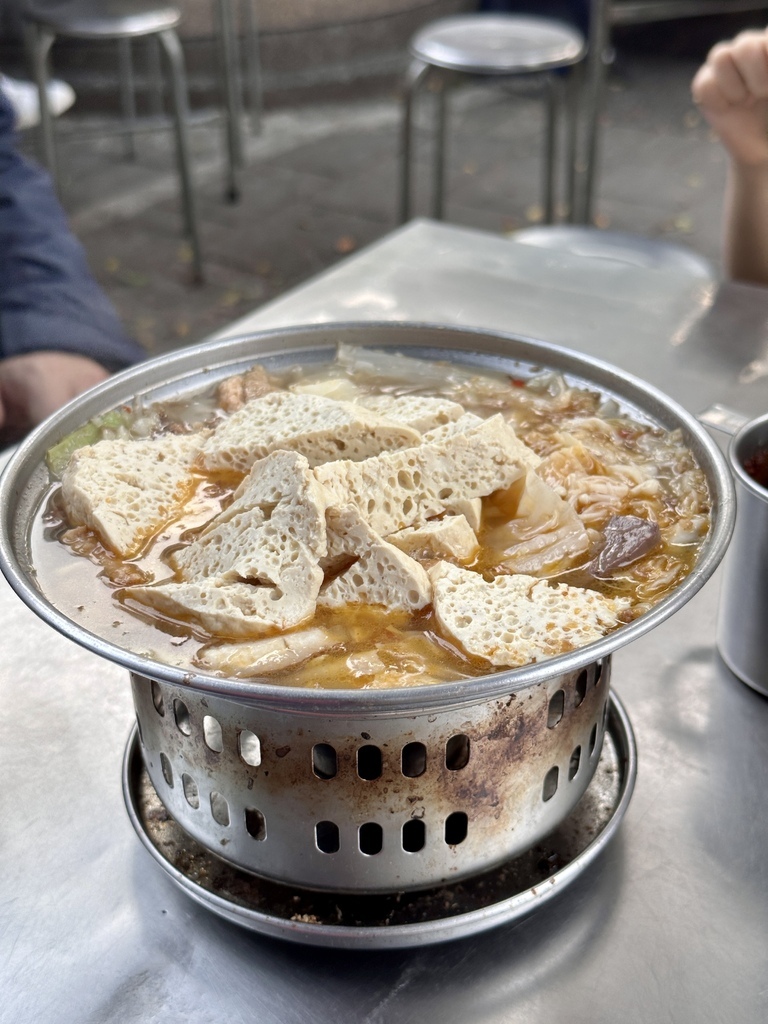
(598, 58)
(414, 76)
(573, 94)
(173, 52)
(40, 41)
(155, 76)
(229, 65)
(127, 94)
(253, 65)
(439, 154)
(553, 90)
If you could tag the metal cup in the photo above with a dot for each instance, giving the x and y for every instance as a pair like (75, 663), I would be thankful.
(742, 628)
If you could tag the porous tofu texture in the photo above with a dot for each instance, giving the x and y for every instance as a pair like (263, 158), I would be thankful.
(451, 537)
(381, 574)
(255, 567)
(421, 412)
(398, 489)
(317, 427)
(128, 490)
(515, 620)
(230, 609)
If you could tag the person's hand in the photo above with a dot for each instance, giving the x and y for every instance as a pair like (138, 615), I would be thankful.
(34, 385)
(731, 90)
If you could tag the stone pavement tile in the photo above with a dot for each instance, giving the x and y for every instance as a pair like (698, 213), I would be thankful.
(498, 221)
(501, 181)
(501, 113)
(288, 249)
(652, 92)
(372, 193)
(649, 168)
(147, 278)
(345, 153)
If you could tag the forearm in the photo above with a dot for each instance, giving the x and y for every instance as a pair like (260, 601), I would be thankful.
(746, 223)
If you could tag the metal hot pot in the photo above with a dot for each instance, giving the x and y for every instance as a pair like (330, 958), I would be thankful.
(367, 791)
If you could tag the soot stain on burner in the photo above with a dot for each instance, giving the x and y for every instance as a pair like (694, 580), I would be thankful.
(287, 903)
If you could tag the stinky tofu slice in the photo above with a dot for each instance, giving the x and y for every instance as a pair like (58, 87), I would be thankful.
(399, 489)
(276, 521)
(127, 490)
(251, 658)
(451, 537)
(256, 567)
(227, 608)
(422, 412)
(381, 574)
(470, 508)
(320, 428)
(469, 421)
(460, 425)
(515, 620)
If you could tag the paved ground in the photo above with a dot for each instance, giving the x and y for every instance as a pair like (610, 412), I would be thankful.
(321, 182)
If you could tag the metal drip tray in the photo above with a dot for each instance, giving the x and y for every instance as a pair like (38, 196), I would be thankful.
(394, 920)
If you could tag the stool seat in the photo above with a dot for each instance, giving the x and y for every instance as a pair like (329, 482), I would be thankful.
(493, 44)
(618, 247)
(109, 19)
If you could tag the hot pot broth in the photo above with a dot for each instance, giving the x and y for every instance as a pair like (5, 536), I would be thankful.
(629, 512)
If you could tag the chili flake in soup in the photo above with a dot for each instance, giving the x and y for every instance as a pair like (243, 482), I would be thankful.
(380, 521)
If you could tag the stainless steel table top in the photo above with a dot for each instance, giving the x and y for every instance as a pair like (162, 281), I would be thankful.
(670, 924)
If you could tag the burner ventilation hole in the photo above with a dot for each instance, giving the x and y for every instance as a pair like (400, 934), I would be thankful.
(219, 809)
(414, 760)
(581, 686)
(598, 672)
(255, 824)
(212, 734)
(324, 762)
(327, 836)
(605, 715)
(574, 763)
(371, 838)
(157, 697)
(593, 739)
(181, 715)
(456, 826)
(457, 752)
(165, 765)
(369, 763)
(249, 746)
(556, 709)
(550, 783)
(190, 791)
(414, 835)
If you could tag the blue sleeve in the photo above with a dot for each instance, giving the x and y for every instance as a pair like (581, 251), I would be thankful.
(48, 297)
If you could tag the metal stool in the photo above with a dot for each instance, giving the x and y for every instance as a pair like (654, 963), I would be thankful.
(121, 21)
(618, 247)
(490, 44)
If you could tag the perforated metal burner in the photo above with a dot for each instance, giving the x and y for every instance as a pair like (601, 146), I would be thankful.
(373, 803)
(510, 891)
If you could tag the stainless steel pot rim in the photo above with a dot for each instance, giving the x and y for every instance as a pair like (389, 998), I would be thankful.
(213, 360)
(452, 924)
